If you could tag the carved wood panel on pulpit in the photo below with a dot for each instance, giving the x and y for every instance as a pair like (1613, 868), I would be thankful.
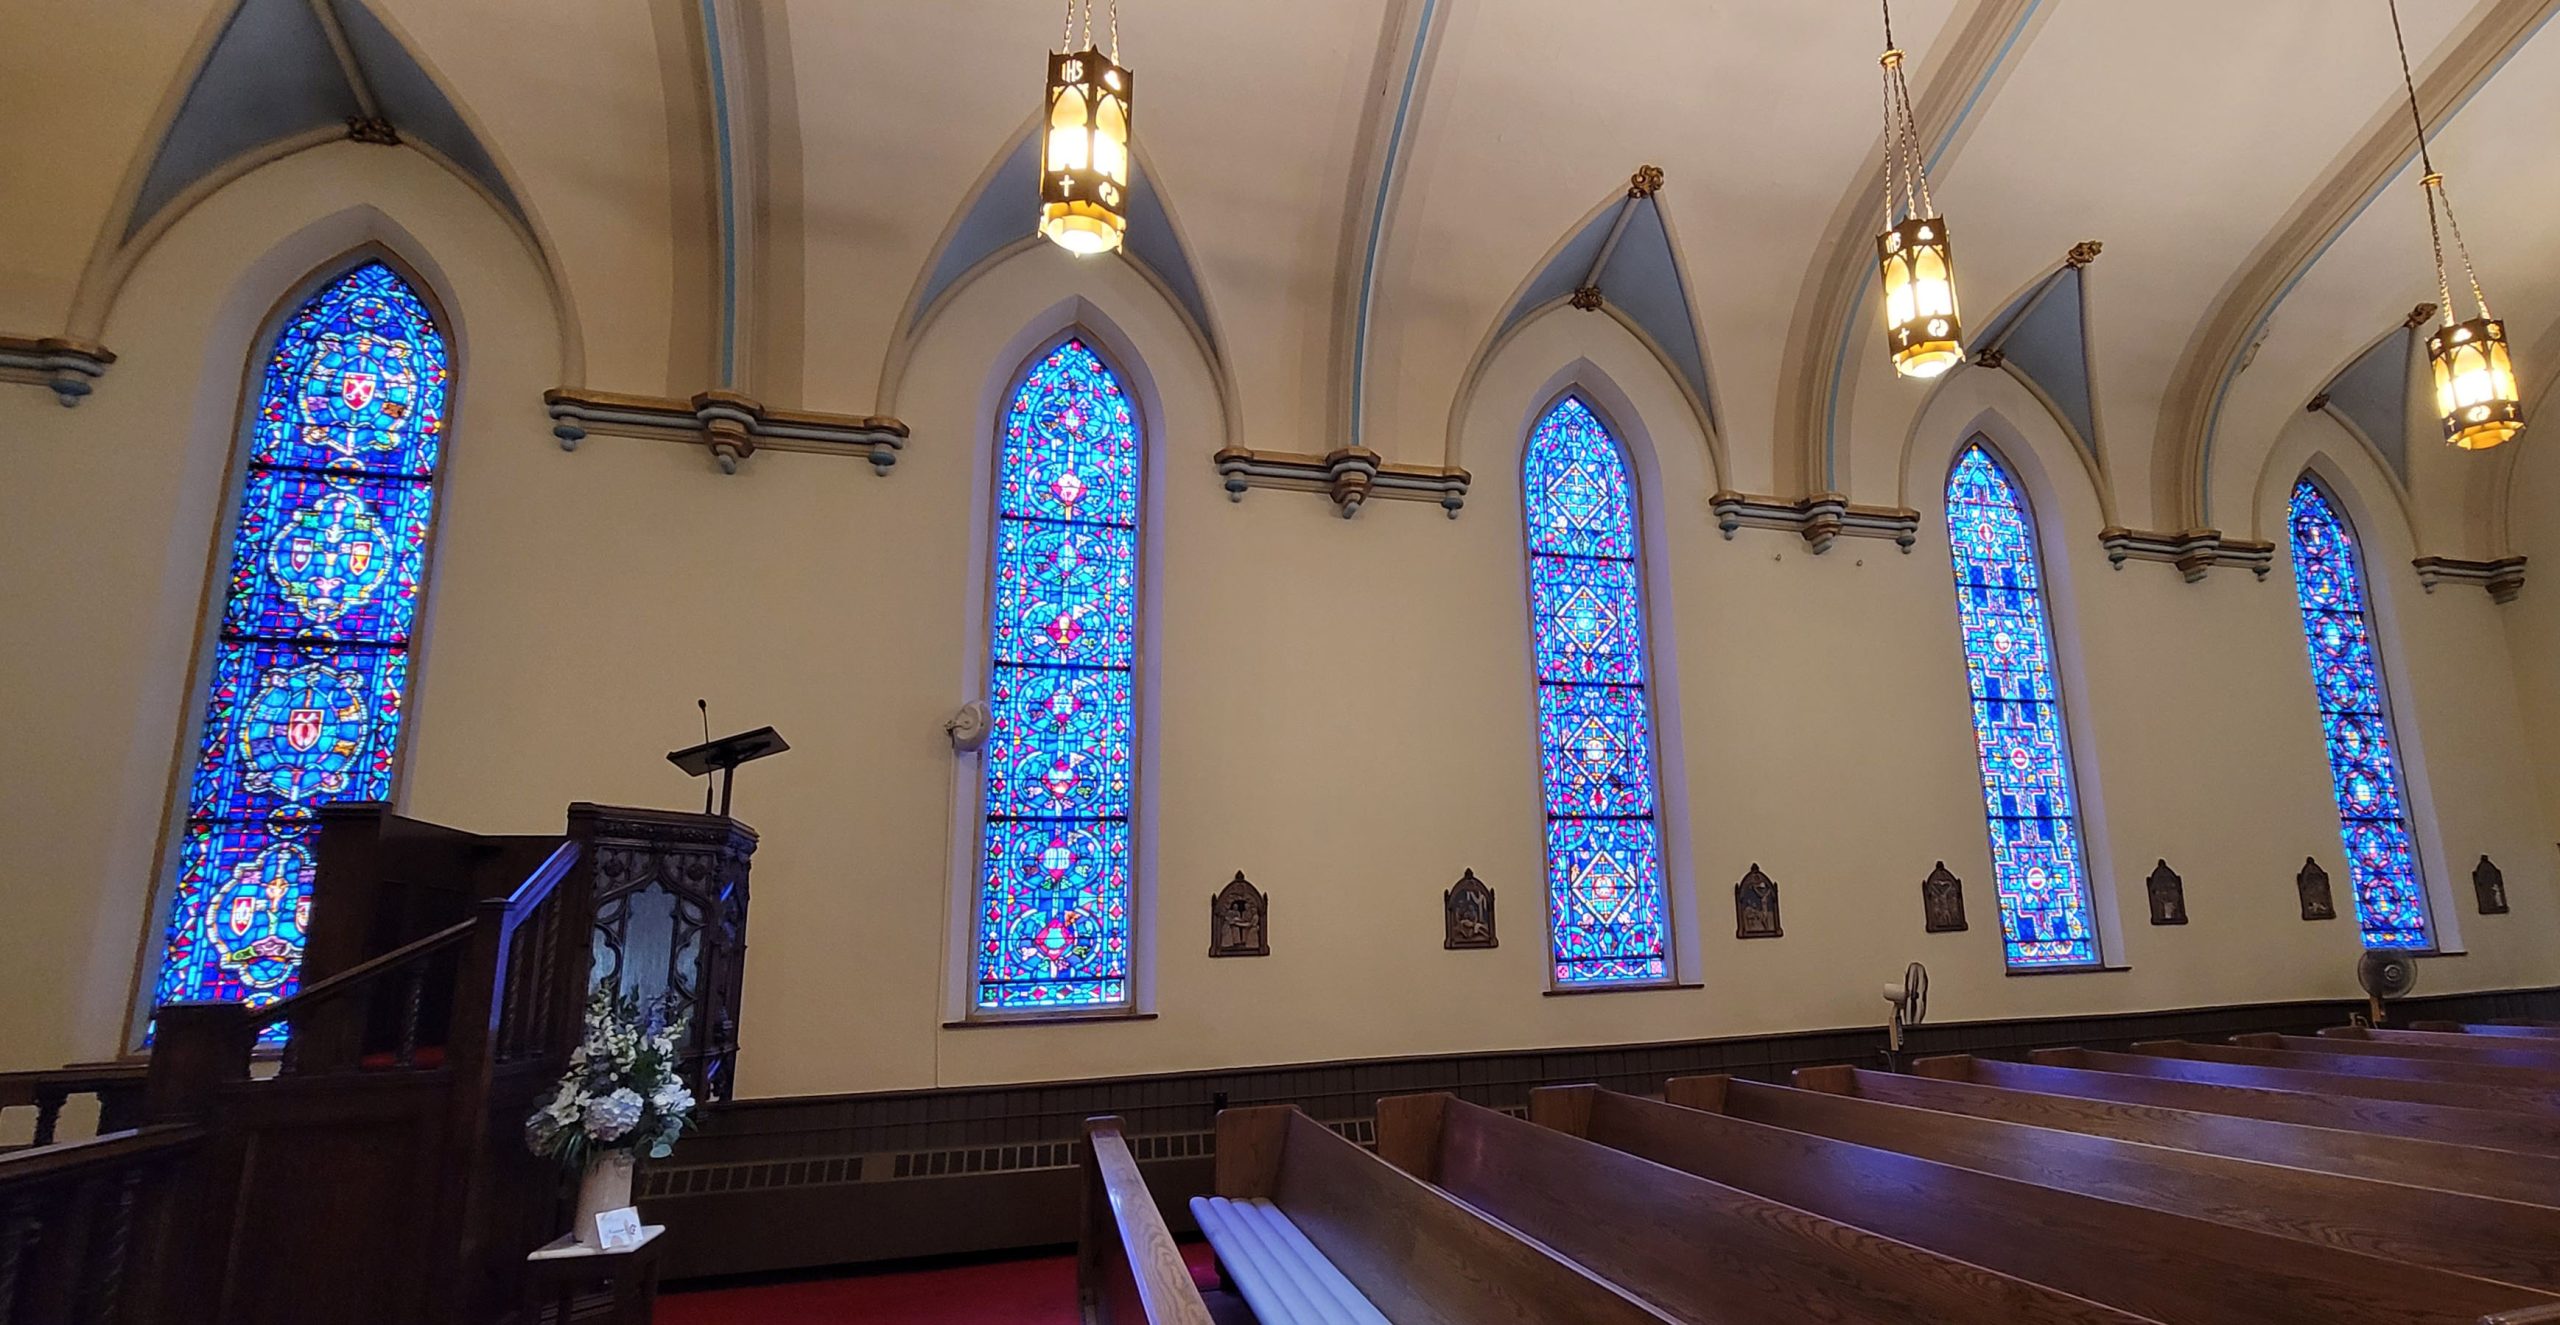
(670, 894)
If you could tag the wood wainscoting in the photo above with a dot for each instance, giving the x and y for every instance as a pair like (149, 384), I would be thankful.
(808, 1181)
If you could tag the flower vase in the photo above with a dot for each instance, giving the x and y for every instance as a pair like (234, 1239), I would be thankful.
(606, 1185)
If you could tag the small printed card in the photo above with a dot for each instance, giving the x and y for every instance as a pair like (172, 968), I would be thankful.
(618, 1230)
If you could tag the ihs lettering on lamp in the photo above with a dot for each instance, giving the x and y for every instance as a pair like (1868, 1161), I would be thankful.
(1084, 156)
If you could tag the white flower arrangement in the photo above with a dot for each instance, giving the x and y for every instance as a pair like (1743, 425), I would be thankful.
(621, 1091)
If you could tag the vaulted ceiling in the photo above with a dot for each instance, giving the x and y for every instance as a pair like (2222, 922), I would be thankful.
(1356, 198)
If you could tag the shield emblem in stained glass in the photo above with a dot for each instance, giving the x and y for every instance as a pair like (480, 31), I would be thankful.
(303, 702)
(1608, 920)
(2038, 871)
(1058, 765)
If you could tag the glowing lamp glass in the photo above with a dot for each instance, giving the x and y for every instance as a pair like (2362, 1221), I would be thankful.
(2475, 384)
(1084, 157)
(1921, 323)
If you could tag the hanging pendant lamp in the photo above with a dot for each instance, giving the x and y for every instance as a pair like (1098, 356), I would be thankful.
(1921, 326)
(1084, 152)
(2476, 393)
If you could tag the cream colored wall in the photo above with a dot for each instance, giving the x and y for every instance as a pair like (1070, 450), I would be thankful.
(1339, 709)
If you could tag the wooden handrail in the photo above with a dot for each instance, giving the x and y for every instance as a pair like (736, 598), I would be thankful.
(357, 974)
(537, 886)
(42, 1164)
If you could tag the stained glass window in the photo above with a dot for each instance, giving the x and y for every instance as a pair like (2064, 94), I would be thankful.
(2028, 796)
(2364, 770)
(1060, 758)
(303, 692)
(1608, 917)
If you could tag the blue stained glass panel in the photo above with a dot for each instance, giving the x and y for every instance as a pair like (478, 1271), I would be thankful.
(1609, 920)
(1060, 767)
(2038, 868)
(2355, 720)
(304, 689)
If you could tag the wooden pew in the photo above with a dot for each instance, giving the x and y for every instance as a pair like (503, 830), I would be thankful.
(2248, 1067)
(2514, 1030)
(1419, 1256)
(2540, 1056)
(2165, 1266)
(1698, 1249)
(2505, 1241)
(2486, 1128)
(2505, 1175)
(1128, 1270)
(2496, 1087)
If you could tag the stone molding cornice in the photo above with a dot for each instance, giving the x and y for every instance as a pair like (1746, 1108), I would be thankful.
(2182, 453)
(2192, 551)
(1347, 477)
(66, 365)
(731, 424)
(2503, 578)
(1821, 519)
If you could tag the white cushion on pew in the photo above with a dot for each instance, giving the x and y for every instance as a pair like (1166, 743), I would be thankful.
(1282, 1276)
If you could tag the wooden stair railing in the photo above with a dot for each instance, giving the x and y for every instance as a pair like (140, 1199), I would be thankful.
(82, 1220)
(369, 1178)
(117, 1087)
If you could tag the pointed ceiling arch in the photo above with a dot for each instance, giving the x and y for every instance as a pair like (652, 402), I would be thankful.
(2370, 396)
(281, 75)
(2042, 339)
(996, 221)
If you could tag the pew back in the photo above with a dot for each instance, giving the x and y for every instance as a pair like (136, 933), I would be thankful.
(1699, 1249)
(2506, 1241)
(2168, 1266)
(1128, 1269)
(1419, 1256)
(2499, 1087)
(2423, 1163)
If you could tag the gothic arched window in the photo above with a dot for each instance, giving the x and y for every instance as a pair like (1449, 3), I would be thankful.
(1060, 765)
(2355, 715)
(1609, 916)
(303, 693)
(2028, 792)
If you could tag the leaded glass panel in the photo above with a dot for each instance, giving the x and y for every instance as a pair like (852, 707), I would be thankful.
(2021, 733)
(1053, 919)
(305, 682)
(2355, 719)
(1609, 920)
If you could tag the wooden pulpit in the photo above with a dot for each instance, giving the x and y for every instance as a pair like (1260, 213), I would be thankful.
(669, 892)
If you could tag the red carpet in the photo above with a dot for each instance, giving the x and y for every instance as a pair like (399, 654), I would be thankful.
(1037, 1291)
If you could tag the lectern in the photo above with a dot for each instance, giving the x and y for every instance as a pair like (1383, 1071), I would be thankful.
(723, 757)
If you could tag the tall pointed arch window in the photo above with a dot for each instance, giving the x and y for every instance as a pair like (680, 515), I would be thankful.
(1609, 917)
(1060, 764)
(2355, 717)
(2039, 870)
(303, 700)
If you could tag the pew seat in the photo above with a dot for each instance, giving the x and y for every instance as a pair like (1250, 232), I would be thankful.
(1282, 1276)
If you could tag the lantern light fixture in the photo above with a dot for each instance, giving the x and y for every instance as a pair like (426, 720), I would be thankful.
(1918, 266)
(2476, 393)
(1084, 153)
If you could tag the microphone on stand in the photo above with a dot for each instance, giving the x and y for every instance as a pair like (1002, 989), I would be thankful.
(705, 706)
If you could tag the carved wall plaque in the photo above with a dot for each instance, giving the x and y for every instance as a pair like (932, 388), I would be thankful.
(2313, 884)
(2168, 895)
(1467, 915)
(1239, 920)
(2491, 886)
(1942, 900)
(1755, 907)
